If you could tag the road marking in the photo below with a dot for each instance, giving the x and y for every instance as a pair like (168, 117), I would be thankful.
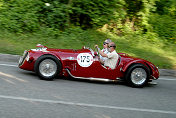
(9, 81)
(11, 76)
(167, 79)
(87, 105)
(8, 65)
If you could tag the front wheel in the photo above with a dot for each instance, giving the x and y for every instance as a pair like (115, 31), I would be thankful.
(47, 67)
(137, 75)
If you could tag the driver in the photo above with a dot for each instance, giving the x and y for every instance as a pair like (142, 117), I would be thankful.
(112, 57)
(105, 50)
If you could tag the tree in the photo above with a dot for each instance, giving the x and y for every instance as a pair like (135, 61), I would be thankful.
(166, 7)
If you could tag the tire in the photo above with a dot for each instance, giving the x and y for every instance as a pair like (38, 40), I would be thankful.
(137, 75)
(47, 67)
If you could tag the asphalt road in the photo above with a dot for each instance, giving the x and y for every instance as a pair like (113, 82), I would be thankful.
(24, 95)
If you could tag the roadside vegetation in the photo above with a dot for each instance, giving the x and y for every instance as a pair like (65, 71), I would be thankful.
(141, 28)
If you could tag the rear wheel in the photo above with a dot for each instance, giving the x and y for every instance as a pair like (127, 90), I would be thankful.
(137, 75)
(47, 67)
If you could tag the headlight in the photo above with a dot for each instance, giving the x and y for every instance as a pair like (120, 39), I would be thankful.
(24, 57)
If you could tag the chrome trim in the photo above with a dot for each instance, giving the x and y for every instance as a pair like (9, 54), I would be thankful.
(40, 49)
(90, 78)
(70, 58)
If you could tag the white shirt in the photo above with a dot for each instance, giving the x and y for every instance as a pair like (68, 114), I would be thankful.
(112, 60)
(105, 50)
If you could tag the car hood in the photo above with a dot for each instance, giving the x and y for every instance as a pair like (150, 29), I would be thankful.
(61, 50)
(69, 50)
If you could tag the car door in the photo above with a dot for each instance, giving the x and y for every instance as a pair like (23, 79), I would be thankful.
(88, 66)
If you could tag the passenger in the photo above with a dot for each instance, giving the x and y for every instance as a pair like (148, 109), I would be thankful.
(105, 50)
(112, 57)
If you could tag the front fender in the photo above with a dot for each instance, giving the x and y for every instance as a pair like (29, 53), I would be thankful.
(55, 55)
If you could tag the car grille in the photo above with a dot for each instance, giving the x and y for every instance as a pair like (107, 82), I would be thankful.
(22, 59)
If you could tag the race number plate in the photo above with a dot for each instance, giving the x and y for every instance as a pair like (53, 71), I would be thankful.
(85, 59)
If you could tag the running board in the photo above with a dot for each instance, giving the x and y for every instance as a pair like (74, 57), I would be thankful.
(91, 78)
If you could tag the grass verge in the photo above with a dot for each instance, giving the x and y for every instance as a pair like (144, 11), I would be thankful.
(146, 46)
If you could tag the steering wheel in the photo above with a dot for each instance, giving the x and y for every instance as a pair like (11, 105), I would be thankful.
(92, 51)
(96, 50)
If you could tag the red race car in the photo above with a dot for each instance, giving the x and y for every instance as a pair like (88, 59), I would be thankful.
(84, 64)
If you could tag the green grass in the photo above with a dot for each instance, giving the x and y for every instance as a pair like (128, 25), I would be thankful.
(146, 46)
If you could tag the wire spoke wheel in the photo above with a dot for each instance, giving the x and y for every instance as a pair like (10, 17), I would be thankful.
(47, 67)
(138, 76)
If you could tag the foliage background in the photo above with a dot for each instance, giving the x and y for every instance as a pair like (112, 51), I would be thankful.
(142, 28)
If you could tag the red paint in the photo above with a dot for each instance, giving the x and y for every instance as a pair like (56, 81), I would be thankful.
(68, 58)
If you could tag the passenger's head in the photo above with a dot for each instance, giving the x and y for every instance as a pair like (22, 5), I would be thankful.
(106, 42)
(111, 46)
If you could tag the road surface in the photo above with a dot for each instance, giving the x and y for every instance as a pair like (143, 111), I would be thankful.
(24, 95)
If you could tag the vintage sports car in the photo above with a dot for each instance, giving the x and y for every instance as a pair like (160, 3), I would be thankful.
(84, 63)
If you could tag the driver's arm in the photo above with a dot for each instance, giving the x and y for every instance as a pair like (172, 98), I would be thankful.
(100, 52)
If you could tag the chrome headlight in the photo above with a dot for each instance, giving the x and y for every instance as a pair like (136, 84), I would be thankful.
(24, 57)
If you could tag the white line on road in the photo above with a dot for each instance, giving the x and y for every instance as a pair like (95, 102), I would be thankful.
(8, 65)
(87, 105)
(9, 81)
(167, 79)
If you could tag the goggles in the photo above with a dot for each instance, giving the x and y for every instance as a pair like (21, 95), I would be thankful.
(111, 46)
(104, 43)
